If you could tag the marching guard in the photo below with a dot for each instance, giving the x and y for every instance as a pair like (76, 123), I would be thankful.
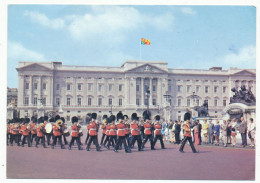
(157, 131)
(147, 133)
(25, 128)
(112, 132)
(75, 133)
(57, 132)
(40, 133)
(33, 129)
(15, 132)
(135, 131)
(103, 127)
(93, 133)
(187, 137)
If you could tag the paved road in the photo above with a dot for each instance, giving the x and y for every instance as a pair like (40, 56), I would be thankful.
(212, 163)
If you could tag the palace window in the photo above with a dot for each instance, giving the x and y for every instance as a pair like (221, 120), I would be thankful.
(206, 89)
(27, 86)
(35, 86)
(68, 101)
(110, 87)
(110, 101)
(57, 101)
(146, 101)
(188, 102)
(224, 89)
(90, 87)
(44, 86)
(154, 101)
(26, 100)
(99, 87)
(215, 102)
(224, 102)
(197, 102)
(34, 100)
(79, 101)
(169, 88)
(197, 89)
(188, 89)
(120, 102)
(43, 100)
(215, 89)
(154, 88)
(89, 101)
(137, 101)
(79, 87)
(179, 88)
(120, 87)
(68, 87)
(137, 88)
(57, 86)
(99, 101)
(179, 102)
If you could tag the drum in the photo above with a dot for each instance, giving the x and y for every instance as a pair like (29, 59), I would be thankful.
(66, 133)
(48, 128)
(80, 133)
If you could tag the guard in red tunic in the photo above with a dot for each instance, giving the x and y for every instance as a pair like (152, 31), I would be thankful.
(112, 132)
(93, 132)
(15, 132)
(147, 133)
(8, 137)
(75, 132)
(157, 132)
(33, 129)
(107, 133)
(121, 135)
(103, 127)
(25, 127)
(57, 132)
(187, 137)
(135, 132)
(40, 133)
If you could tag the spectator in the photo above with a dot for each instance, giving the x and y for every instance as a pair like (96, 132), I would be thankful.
(229, 132)
(192, 124)
(177, 132)
(210, 132)
(216, 132)
(196, 133)
(233, 126)
(251, 132)
(205, 127)
(224, 133)
(170, 131)
(243, 131)
(200, 127)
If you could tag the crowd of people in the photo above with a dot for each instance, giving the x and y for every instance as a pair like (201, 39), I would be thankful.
(209, 133)
(118, 131)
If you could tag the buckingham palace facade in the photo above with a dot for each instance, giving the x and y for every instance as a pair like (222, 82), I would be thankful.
(52, 88)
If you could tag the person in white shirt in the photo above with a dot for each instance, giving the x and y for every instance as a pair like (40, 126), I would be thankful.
(251, 132)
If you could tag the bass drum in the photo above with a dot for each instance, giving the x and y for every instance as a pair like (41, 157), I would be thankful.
(80, 133)
(48, 128)
(66, 133)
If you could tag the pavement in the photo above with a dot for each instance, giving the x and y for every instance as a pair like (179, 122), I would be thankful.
(211, 163)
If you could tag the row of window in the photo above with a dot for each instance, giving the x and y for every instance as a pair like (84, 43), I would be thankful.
(188, 102)
(90, 86)
(206, 89)
(79, 101)
(35, 86)
(35, 100)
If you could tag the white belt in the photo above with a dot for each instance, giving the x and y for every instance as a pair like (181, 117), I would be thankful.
(121, 129)
(113, 129)
(74, 131)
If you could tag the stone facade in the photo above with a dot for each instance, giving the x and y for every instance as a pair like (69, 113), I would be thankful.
(78, 90)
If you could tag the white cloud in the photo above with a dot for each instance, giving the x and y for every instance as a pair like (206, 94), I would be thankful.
(244, 58)
(43, 20)
(17, 52)
(188, 11)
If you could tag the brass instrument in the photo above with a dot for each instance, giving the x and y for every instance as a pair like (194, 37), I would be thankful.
(59, 122)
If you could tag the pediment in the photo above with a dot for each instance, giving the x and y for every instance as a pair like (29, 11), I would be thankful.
(244, 73)
(34, 67)
(147, 68)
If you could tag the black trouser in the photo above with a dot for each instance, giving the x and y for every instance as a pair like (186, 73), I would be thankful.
(8, 138)
(77, 140)
(102, 138)
(177, 137)
(86, 141)
(106, 139)
(127, 139)
(27, 137)
(184, 142)
(244, 139)
(55, 141)
(161, 140)
(112, 140)
(199, 135)
(150, 137)
(94, 139)
(49, 135)
(120, 140)
(32, 137)
(139, 141)
(64, 138)
(42, 141)
(15, 138)
(193, 137)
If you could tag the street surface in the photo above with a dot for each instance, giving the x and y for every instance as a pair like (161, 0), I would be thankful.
(212, 163)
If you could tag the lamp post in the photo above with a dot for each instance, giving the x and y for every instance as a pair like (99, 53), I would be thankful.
(147, 94)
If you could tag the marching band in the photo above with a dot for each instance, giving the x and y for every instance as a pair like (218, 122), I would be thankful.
(116, 131)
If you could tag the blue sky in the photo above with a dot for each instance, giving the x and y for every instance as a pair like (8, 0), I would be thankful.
(189, 37)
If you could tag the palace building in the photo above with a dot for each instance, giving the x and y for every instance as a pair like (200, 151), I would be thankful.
(52, 88)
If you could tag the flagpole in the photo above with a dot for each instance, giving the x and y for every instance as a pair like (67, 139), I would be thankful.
(140, 52)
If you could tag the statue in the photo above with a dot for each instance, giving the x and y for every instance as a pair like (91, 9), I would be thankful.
(202, 110)
(243, 96)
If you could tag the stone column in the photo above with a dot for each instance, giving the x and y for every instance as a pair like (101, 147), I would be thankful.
(21, 90)
(127, 91)
(132, 88)
(142, 91)
(31, 91)
(51, 91)
(95, 99)
(74, 92)
(159, 91)
(151, 92)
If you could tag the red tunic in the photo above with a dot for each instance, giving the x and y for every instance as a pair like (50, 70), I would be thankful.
(103, 127)
(56, 131)
(120, 129)
(127, 129)
(107, 130)
(33, 128)
(187, 131)
(135, 129)
(92, 129)
(75, 130)
(147, 129)
(25, 130)
(112, 130)
(158, 129)
(40, 132)
(15, 130)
